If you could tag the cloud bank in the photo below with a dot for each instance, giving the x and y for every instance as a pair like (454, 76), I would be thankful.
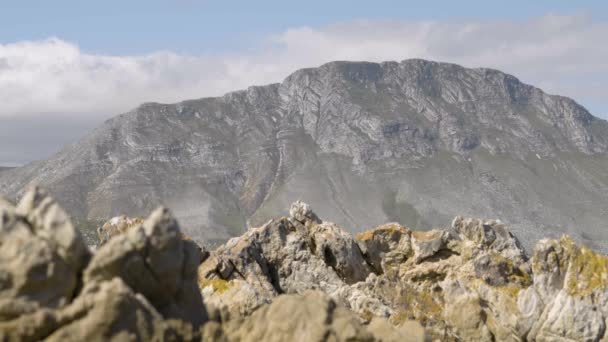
(565, 55)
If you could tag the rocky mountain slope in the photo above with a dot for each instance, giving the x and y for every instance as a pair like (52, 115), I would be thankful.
(295, 278)
(415, 142)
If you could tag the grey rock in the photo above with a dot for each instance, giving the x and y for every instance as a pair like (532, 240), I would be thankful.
(41, 255)
(415, 142)
(470, 281)
(141, 285)
(116, 226)
(154, 261)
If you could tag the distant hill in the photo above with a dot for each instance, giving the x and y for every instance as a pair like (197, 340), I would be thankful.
(416, 142)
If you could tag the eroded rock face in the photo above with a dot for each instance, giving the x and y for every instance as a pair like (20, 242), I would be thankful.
(471, 281)
(141, 284)
(572, 282)
(287, 255)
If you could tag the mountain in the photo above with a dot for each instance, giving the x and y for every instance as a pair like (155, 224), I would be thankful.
(416, 142)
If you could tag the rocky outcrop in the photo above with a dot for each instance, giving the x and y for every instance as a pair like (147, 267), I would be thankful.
(116, 226)
(313, 316)
(295, 278)
(141, 285)
(471, 281)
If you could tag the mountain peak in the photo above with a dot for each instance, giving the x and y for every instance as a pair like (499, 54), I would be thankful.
(416, 142)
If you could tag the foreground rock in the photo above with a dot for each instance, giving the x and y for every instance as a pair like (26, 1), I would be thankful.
(141, 285)
(132, 288)
(313, 316)
(471, 281)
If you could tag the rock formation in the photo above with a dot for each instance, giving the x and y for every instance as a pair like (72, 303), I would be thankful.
(116, 226)
(417, 142)
(471, 281)
(295, 278)
(141, 285)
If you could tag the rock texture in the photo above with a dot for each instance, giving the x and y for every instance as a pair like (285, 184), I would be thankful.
(116, 226)
(469, 282)
(141, 285)
(295, 278)
(132, 288)
(415, 142)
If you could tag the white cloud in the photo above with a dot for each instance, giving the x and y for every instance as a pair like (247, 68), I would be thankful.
(562, 54)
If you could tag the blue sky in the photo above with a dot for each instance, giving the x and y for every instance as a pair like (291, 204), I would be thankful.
(209, 26)
(81, 62)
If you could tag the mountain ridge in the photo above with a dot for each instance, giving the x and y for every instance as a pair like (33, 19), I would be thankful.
(414, 141)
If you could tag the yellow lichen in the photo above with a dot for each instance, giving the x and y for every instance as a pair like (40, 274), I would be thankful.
(510, 290)
(587, 272)
(386, 229)
(399, 317)
(418, 305)
(219, 285)
(366, 315)
(365, 236)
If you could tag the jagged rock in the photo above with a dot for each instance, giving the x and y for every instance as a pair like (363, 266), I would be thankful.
(429, 243)
(389, 244)
(50, 222)
(141, 285)
(287, 256)
(489, 235)
(108, 311)
(340, 251)
(116, 226)
(41, 255)
(154, 261)
(302, 212)
(471, 281)
(572, 283)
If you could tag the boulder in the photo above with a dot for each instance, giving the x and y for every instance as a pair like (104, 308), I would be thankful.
(141, 285)
(154, 261)
(41, 255)
(116, 226)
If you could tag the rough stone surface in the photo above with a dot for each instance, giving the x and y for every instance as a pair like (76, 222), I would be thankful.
(470, 281)
(154, 261)
(141, 285)
(296, 278)
(313, 316)
(417, 142)
(116, 226)
(41, 254)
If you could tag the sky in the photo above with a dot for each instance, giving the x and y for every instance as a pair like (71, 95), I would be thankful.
(65, 66)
